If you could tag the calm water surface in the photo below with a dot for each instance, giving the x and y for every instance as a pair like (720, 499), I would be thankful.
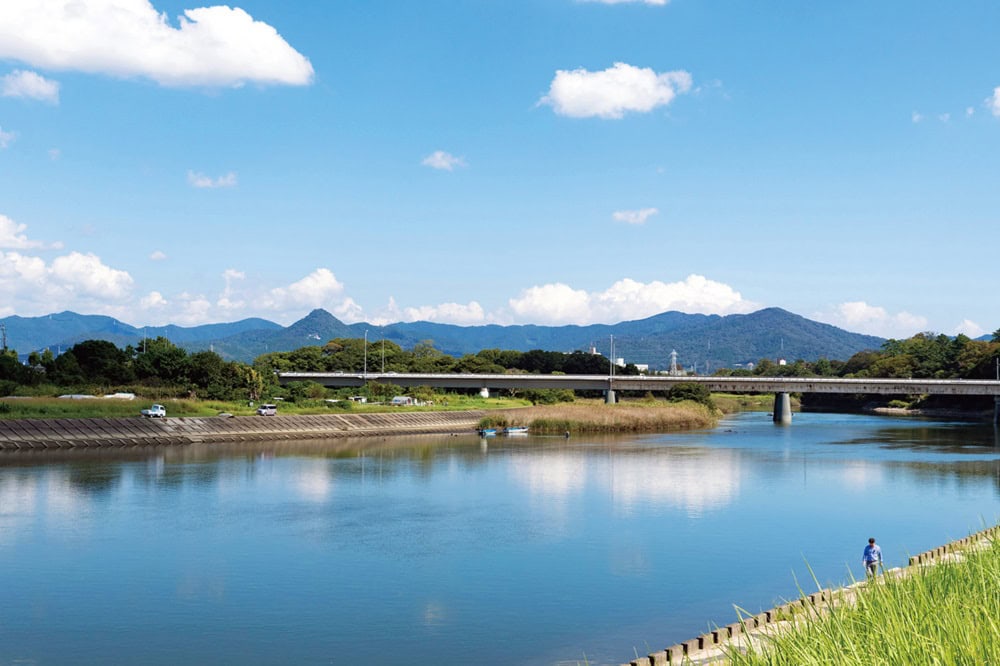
(449, 550)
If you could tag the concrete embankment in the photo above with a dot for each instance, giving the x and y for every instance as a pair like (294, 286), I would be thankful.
(40, 434)
(710, 648)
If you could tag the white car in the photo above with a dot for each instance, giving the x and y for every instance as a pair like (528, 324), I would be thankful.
(267, 410)
(155, 412)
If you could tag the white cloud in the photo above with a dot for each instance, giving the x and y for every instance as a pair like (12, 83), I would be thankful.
(969, 328)
(157, 255)
(12, 235)
(994, 102)
(859, 317)
(153, 300)
(313, 291)
(211, 46)
(73, 281)
(21, 83)
(969, 112)
(201, 181)
(634, 216)
(85, 274)
(916, 117)
(468, 314)
(54, 154)
(944, 117)
(439, 159)
(626, 299)
(6, 138)
(613, 92)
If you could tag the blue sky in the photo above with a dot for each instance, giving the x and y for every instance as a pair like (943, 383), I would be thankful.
(514, 161)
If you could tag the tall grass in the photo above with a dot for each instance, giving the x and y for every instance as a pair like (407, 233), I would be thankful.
(945, 614)
(598, 417)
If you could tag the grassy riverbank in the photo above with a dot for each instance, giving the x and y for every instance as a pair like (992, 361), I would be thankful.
(65, 408)
(595, 416)
(943, 614)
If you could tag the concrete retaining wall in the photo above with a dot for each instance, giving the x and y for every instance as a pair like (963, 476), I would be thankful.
(710, 648)
(40, 434)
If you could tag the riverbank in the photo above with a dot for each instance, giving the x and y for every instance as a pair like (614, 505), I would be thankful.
(930, 611)
(41, 434)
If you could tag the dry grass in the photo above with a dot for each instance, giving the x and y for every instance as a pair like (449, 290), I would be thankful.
(598, 417)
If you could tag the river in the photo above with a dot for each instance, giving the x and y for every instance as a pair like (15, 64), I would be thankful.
(451, 550)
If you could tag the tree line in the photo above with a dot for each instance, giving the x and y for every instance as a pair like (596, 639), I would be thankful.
(157, 365)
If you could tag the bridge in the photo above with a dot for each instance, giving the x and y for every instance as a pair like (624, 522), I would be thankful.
(780, 386)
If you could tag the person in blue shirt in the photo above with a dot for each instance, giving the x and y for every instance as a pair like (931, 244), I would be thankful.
(872, 557)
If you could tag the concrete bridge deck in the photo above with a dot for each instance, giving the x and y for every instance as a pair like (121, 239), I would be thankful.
(656, 383)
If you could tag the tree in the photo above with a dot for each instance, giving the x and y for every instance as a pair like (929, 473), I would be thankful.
(101, 362)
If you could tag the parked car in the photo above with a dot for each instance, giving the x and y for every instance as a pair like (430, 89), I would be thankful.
(267, 410)
(154, 412)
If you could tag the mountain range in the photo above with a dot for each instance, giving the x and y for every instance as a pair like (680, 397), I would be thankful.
(703, 342)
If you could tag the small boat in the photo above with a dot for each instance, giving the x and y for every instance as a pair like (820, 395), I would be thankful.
(515, 430)
(487, 432)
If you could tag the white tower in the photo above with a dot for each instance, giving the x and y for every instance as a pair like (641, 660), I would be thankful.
(673, 363)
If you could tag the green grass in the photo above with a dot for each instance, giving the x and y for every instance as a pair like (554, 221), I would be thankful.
(945, 614)
(56, 408)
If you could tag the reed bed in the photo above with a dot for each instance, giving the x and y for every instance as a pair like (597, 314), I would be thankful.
(945, 614)
(600, 418)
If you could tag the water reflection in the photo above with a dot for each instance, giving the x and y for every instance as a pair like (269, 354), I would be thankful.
(311, 552)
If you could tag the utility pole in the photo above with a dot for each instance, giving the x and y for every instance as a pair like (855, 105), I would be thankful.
(383, 350)
(366, 357)
(3, 333)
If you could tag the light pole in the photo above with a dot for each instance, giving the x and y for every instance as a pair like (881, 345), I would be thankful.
(366, 357)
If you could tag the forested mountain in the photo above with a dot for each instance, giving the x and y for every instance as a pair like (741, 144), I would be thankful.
(703, 342)
(62, 330)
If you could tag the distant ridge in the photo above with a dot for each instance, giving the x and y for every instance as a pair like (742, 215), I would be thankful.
(703, 342)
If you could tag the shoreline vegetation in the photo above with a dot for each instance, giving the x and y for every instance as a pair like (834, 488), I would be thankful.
(597, 417)
(940, 614)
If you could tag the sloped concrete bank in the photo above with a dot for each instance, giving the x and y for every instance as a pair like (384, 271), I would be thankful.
(710, 648)
(41, 434)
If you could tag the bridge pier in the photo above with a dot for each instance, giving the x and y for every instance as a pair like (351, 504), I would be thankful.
(996, 410)
(782, 408)
(609, 397)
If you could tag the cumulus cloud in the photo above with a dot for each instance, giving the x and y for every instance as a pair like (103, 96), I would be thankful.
(860, 317)
(153, 300)
(157, 255)
(314, 290)
(86, 275)
(75, 280)
(993, 103)
(916, 117)
(614, 91)
(468, 314)
(6, 138)
(634, 216)
(441, 160)
(201, 181)
(12, 235)
(21, 83)
(210, 46)
(969, 328)
(626, 299)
